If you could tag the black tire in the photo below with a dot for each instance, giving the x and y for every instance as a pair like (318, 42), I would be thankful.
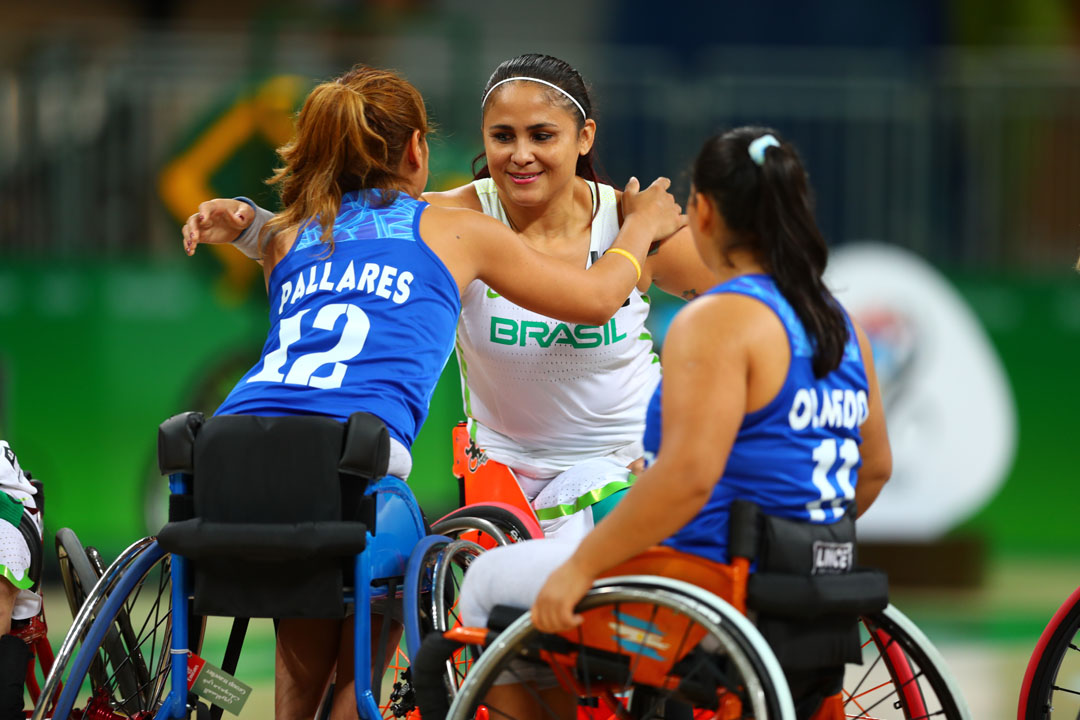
(1049, 693)
(79, 576)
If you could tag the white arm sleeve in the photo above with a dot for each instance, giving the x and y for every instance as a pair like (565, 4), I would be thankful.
(248, 241)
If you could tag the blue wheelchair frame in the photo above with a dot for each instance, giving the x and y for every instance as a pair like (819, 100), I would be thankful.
(399, 528)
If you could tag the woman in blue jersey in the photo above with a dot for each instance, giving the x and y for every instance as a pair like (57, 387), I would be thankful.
(769, 394)
(365, 284)
(562, 406)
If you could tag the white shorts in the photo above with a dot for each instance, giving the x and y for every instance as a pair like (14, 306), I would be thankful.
(14, 554)
(510, 575)
(15, 567)
(571, 489)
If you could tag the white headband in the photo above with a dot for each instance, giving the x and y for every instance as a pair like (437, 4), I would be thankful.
(535, 80)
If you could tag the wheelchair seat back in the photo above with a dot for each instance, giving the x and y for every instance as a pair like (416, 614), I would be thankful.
(276, 509)
(806, 589)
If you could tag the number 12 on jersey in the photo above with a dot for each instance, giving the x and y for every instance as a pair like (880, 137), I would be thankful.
(303, 370)
(835, 487)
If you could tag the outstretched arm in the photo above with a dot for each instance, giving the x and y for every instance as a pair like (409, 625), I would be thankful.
(474, 246)
(238, 221)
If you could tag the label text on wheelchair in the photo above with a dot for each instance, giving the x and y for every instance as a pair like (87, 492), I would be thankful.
(637, 635)
(373, 279)
(833, 557)
(215, 685)
(834, 409)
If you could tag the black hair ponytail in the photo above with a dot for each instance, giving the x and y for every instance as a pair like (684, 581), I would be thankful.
(768, 207)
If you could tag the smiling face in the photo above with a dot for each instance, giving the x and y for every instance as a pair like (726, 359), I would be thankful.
(532, 142)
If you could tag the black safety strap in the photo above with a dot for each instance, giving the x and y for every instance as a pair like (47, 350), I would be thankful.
(232, 656)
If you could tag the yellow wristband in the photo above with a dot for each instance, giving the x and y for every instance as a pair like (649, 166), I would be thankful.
(628, 256)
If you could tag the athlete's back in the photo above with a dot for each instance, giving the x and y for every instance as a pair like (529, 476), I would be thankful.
(367, 326)
(796, 457)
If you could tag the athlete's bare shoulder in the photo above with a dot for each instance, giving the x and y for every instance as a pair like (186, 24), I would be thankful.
(464, 197)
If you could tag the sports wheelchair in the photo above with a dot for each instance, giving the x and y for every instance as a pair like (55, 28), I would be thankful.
(268, 517)
(665, 635)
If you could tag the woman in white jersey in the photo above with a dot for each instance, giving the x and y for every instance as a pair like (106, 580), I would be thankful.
(562, 405)
(19, 519)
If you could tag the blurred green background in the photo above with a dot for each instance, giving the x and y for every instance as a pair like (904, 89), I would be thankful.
(951, 129)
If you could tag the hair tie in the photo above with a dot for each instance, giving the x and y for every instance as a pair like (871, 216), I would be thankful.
(535, 80)
(757, 148)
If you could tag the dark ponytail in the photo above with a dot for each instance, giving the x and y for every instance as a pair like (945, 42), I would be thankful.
(768, 208)
(561, 74)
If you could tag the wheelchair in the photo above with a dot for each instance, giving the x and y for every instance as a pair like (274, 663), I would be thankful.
(1051, 685)
(34, 631)
(666, 635)
(493, 511)
(268, 517)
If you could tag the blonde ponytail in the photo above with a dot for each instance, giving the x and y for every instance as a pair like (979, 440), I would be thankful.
(350, 135)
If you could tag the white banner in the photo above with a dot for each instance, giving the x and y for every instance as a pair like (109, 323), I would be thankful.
(948, 403)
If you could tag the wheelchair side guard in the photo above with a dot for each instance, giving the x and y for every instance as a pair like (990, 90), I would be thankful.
(414, 585)
(399, 526)
(176, 442)
(721, 610)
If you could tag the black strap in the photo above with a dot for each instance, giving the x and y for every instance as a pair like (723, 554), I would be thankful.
(232, 656)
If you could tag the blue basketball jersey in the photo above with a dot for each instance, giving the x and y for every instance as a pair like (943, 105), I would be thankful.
(798, 456)
(368, 327)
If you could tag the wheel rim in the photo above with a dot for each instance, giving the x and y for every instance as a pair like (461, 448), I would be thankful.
(672, 646)
(144, 625)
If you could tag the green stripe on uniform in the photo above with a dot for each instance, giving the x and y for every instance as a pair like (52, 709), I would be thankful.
(590, 498)
(11, 510)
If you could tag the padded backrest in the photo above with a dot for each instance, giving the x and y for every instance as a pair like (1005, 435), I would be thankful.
(268, 469)
(744, 529)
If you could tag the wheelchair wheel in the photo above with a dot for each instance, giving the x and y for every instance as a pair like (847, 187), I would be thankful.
(79, 575)
(902, 675)
(502, 524)
(1051, 686)
(659, 643)
(433, 580)
(142, 597)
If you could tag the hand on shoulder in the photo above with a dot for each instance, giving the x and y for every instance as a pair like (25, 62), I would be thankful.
(464, 197)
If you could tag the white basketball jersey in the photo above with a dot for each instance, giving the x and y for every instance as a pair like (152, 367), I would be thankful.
(544, 395)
